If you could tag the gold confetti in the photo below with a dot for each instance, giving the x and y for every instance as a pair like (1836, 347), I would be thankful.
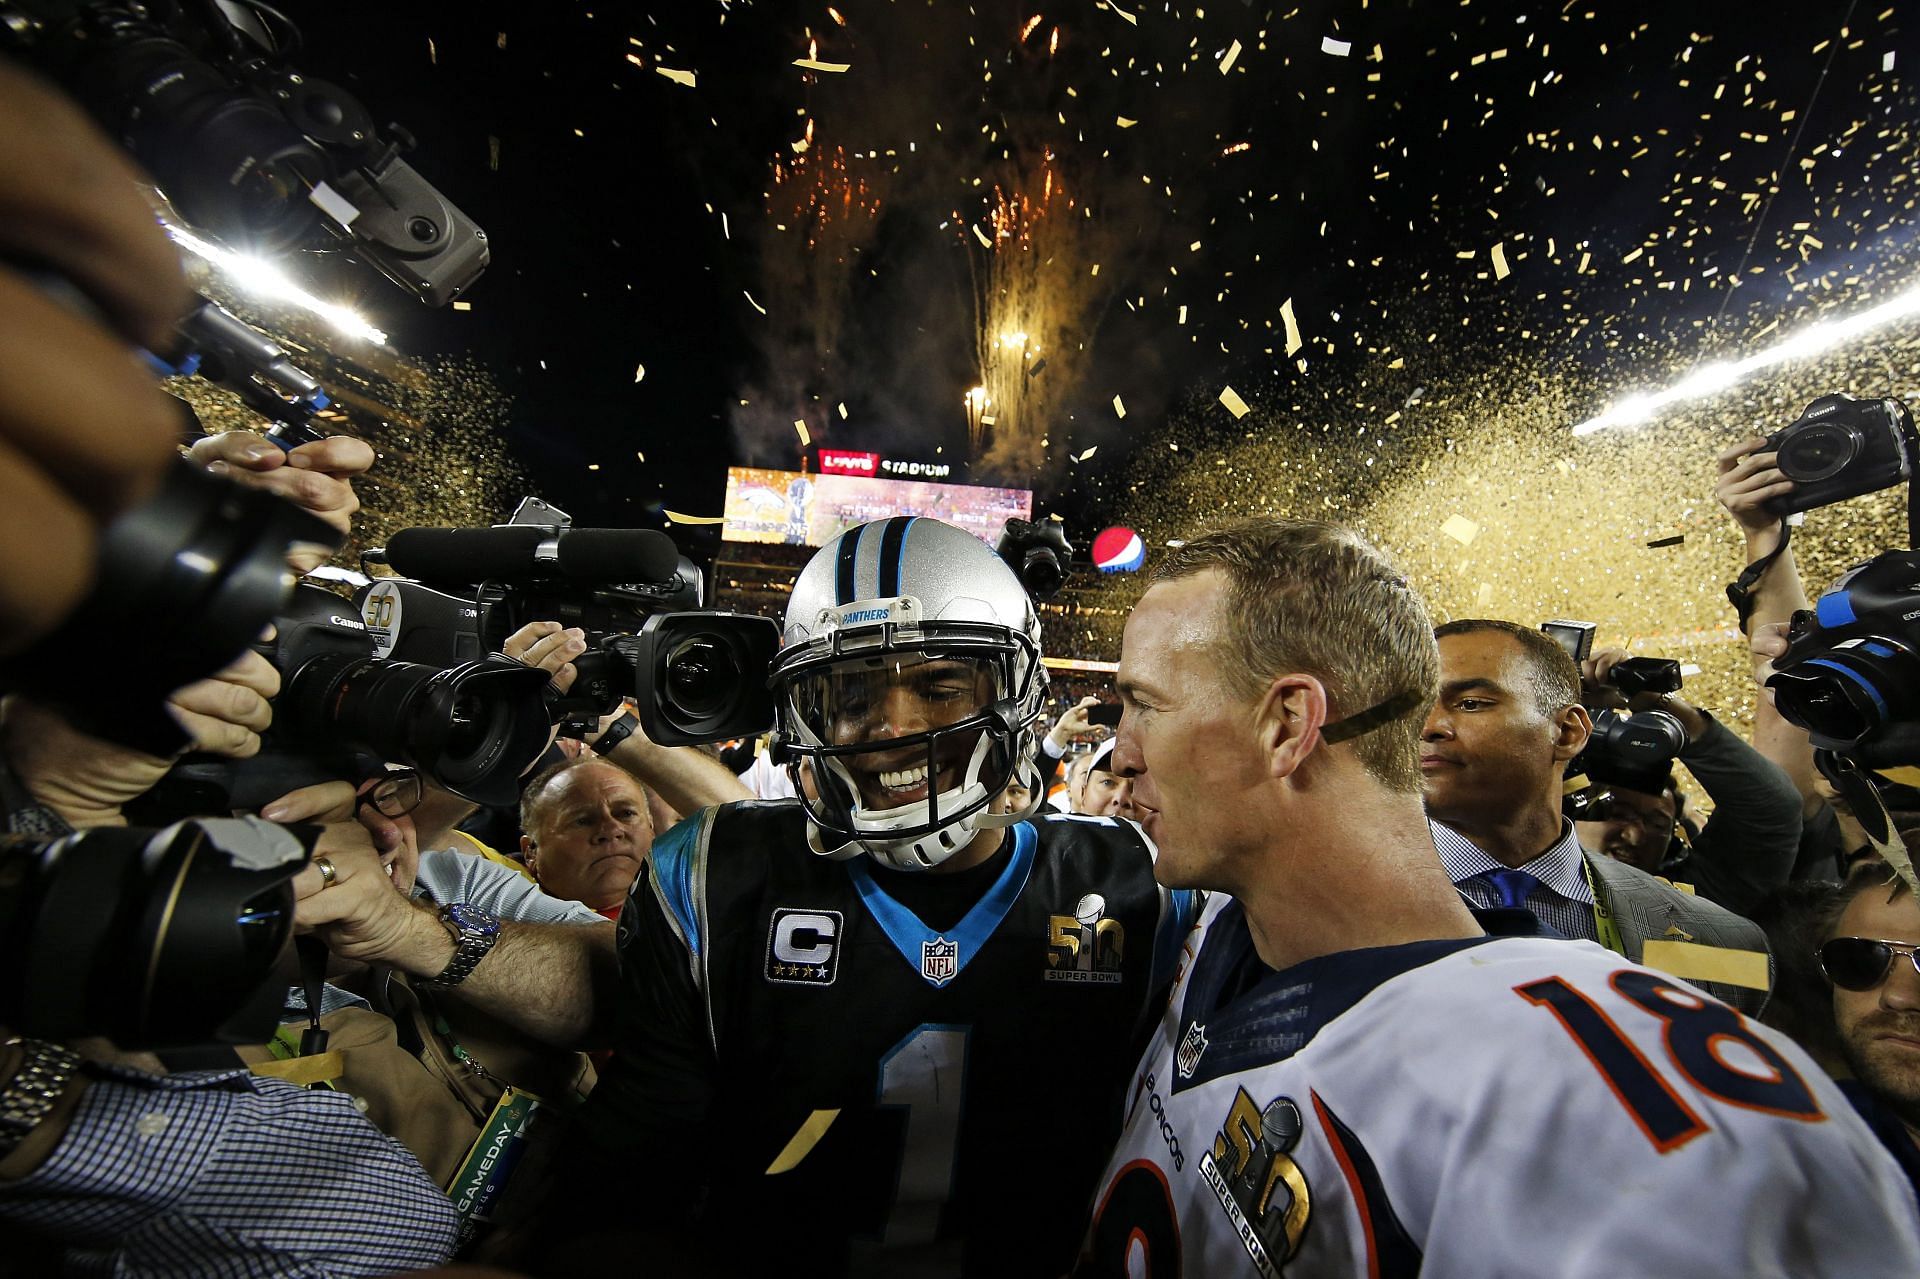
(1119, 409)
(463, 306)
(1235, 405)
(1500, 271)
(755, 305)
(639, 371)
(1123, 122)
(800, 425)
(809, 64)
(1233, 52)
(678, 77)
(1293, 330)
(1460, 529)
(1337, 48)
(678, 518)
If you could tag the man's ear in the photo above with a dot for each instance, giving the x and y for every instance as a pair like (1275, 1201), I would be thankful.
(1572, 726)
(1288, 722)
(527, 853)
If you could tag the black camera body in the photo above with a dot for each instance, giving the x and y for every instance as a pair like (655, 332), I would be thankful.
(1841, 447)
(1631, 751)
(1039, 554)
(246, 146)
(1851, 672)
(696, 676)
(472, 726)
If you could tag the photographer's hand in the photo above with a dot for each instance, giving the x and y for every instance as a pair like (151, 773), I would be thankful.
(549, 646)
(1073, 723)
(316, 477)
(84, 431)
(1749, 479)
(87, 781)
(1593, 675)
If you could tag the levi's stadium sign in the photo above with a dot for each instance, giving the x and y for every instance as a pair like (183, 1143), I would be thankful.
(846, 462)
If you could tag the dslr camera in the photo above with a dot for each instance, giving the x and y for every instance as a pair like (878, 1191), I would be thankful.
(1631, 675)
(1841, 447)
(1038, 553)
(246, 146)
(471, 726)
(1851, 673)
(696, 675)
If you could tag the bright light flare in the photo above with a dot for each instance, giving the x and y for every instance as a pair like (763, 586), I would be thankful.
(1713, 378)
(264, 279)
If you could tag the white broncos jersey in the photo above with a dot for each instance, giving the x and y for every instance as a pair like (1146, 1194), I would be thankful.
(1513, 1106)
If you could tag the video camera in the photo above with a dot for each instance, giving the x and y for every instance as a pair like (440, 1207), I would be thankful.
(697, 676)
(1038, 553)
(152, 938)
(245, 146)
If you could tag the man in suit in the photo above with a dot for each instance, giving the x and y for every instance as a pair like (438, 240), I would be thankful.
(1493, 759)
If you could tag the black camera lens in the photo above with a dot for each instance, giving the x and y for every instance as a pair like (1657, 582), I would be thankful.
(701, 676)
(1819, 452)
(227, 159)
(1846, 695)
(472, 728)
(150, 938)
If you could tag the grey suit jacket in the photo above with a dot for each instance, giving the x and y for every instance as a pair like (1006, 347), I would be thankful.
(1648, 909)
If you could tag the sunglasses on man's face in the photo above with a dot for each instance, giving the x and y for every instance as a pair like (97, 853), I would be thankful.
(1862, 963)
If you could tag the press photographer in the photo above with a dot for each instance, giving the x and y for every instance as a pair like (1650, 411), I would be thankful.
(1748, 843)
(1838, 449)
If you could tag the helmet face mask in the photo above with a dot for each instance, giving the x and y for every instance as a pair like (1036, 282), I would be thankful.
(911, 712)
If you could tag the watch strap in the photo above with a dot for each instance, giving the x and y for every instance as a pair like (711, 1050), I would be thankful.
(45, 1069)
(471, 945)
(618, 731)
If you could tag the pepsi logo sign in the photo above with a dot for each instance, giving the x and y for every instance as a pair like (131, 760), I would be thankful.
(1118, 550)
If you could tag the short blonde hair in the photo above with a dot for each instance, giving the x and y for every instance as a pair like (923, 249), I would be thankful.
(1318, 599)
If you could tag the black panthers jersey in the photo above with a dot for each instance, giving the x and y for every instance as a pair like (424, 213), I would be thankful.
(859, 1082)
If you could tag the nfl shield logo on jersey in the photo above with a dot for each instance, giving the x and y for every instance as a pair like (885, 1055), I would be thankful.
(939, 960)
(1187, 1059)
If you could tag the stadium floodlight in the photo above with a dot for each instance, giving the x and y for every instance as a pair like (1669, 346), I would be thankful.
(264, 279)
(1713, 378)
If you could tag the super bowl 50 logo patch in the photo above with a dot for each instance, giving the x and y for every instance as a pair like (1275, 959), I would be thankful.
(1085, 946)
(1259, 1186)
(803, 947)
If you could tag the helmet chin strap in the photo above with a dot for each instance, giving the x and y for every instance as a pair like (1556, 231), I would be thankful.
(918, 852)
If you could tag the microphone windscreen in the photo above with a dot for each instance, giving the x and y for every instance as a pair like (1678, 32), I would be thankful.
(618, 555)
(465, 555)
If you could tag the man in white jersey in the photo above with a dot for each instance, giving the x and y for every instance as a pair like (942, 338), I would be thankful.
(1353, 1077)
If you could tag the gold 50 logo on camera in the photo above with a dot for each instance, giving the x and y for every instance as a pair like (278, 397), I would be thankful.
(1085, 946)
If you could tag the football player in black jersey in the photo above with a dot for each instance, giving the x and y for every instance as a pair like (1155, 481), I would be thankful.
(885, 1027)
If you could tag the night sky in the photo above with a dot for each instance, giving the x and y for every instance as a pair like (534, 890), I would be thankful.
(1408, 191)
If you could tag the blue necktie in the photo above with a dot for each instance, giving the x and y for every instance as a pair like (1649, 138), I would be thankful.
(1513, 886)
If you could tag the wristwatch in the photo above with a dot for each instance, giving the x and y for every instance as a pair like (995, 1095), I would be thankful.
(474, 932)
(28, 1097)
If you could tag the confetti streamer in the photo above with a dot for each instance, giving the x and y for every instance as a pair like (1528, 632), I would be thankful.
(1293, 329)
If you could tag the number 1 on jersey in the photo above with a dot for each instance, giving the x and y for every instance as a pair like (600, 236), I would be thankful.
(926, 1074)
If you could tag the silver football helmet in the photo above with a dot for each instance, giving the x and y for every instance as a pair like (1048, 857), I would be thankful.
(907, 687)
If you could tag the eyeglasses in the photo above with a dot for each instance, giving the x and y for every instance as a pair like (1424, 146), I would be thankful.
(394, 793)
(1862, 963)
